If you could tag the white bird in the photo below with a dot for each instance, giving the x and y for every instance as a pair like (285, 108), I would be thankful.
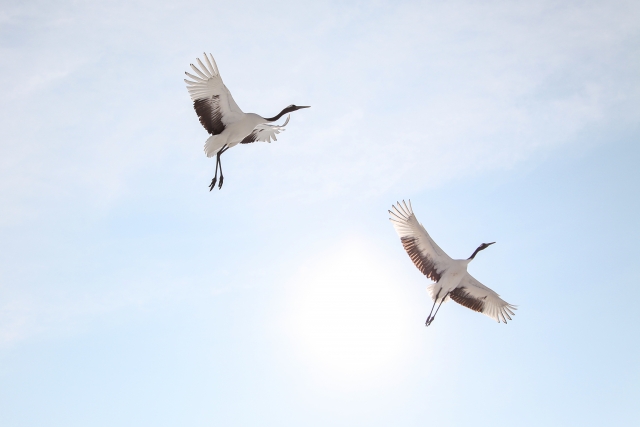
(221, 116)
(452, 281)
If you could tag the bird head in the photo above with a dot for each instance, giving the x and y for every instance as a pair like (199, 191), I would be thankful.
(485, 245)
(286, 110)
(293, 107)
(481, 247)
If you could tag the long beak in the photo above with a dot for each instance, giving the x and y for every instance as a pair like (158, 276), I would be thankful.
(490, 243)
(308, 106)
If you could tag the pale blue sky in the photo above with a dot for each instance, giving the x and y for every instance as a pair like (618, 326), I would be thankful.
(130, 295)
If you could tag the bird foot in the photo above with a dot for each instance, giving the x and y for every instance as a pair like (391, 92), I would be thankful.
(428, 322)
(221, 181)
(213, 183)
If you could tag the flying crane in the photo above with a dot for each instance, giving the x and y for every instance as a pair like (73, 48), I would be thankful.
(221, 116)
(452, 281)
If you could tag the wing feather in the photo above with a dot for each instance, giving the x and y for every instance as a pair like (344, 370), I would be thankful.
(208, 72)
(476, 296)
(197, 79)
(208, 110)
(423, 251)
(212, 101)
(214, 70)
(265, 132)
(198, 72)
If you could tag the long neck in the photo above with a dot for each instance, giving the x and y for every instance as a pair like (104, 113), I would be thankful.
(473, 255)
(274, 118)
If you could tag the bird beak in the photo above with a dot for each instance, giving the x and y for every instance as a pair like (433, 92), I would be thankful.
(308, 106)
(489, 244)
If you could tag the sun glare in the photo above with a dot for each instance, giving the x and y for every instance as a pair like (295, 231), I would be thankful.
(350, 316)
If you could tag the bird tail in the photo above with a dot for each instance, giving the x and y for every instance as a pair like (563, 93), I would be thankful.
(214, 144)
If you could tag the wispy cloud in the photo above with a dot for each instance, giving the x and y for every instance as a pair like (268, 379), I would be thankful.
(404, 95)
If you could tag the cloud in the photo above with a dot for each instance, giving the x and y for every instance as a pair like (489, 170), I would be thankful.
(424, 93)
(412, 96)
(404, 96)
(52, 307)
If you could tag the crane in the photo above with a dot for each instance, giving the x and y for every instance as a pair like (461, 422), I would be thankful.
(452, 281)
(221, 116)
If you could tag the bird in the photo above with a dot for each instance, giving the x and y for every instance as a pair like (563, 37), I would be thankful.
(450, 276)
(227, 124)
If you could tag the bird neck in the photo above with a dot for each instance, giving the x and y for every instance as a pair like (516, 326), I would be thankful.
(274, 118)
(473, 255)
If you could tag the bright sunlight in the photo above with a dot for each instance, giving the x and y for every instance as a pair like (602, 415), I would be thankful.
(350, 316)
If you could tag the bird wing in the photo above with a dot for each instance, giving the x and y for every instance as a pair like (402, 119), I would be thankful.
(264, 133)
(476, 296)
(212, 100)
(423, 251)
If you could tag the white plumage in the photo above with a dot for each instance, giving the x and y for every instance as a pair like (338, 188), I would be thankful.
(452, 281)
(221, 116)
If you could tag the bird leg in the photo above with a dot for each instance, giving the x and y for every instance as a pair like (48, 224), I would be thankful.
(215, 178)
(218, 163)
(428, 322)
(225, 148)
(438, 309)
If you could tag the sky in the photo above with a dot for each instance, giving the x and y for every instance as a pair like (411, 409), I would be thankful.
(131, 295)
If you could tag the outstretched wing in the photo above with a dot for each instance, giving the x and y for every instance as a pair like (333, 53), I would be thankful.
(212, 100)
(423, 251)
(265, 132)
(476, 296)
